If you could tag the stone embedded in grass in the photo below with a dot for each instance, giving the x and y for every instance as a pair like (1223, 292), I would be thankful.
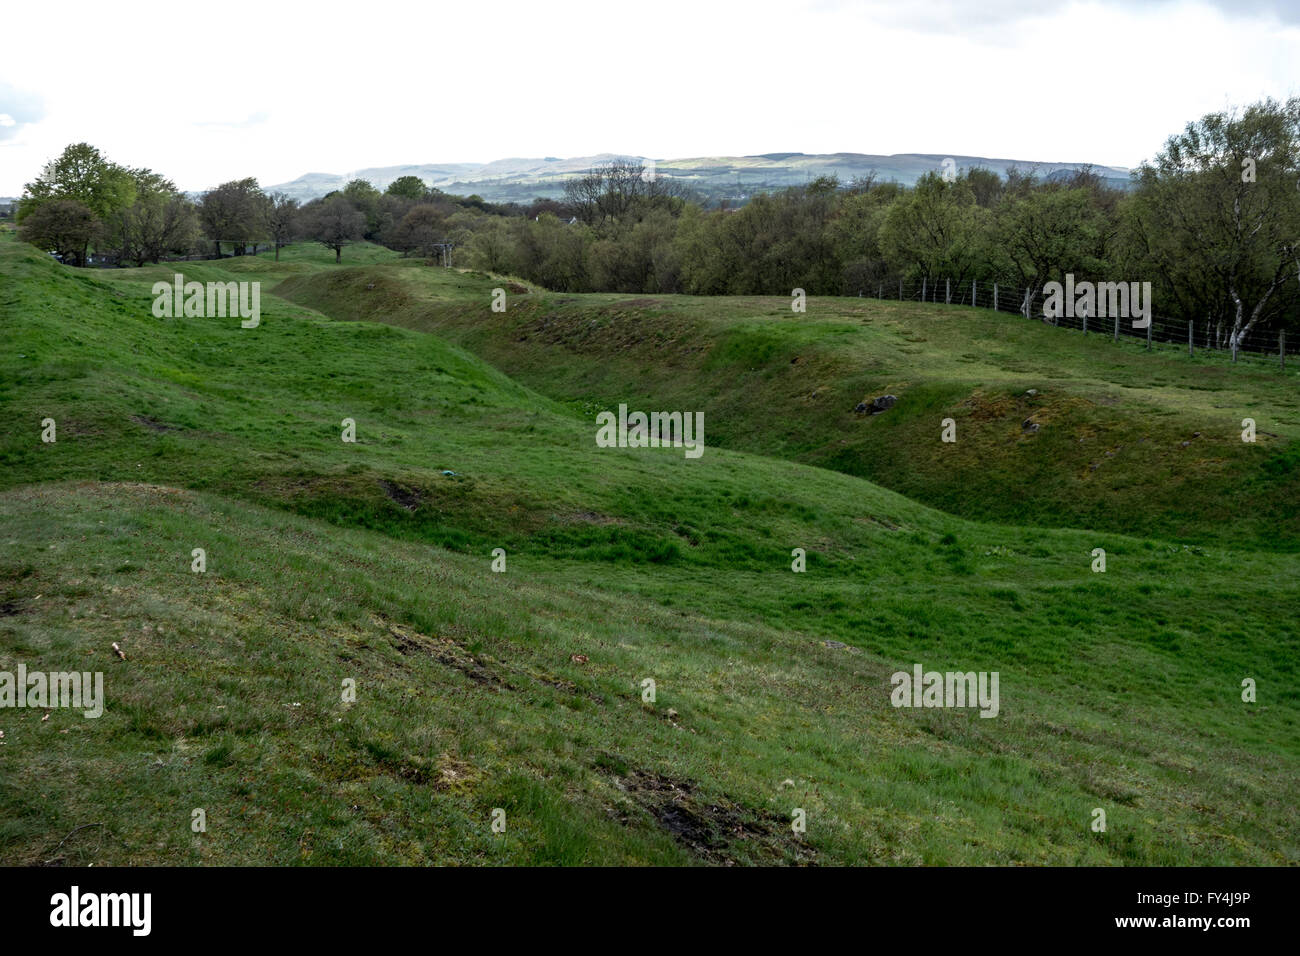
(876, 405)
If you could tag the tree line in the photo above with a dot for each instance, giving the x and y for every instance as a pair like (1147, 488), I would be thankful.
(1213, 222)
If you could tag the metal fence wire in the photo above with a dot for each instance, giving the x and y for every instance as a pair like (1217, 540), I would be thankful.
(1203, 336)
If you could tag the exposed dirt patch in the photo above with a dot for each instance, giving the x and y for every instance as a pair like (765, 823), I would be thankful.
(586, 517)
(719, 832)
(984, 408)
(153, 424)
(402, 495)
(445, 651)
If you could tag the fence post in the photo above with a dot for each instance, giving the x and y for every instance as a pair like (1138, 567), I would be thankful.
(1085, 322)
(922, 288)
(1233, 338)
(1190, 323)
(900, 290)
(947, 292)
(1281, 347)
(972, 293)
(995, 297)
(880, 290)
(1150, 322)
(1117, 326)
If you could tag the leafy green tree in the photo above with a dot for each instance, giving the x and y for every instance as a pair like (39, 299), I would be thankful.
(334, 223)
(367, 199)
(83, 174)
(282, 220)
(234, 212)
(855, 234)
(159, 222)
(421, 230)
(1047, 232)
(408, 187)
(1216, 217)
(64, 226)
(936, 230)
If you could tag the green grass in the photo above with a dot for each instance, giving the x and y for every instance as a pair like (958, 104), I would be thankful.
(1129, 441)
(329, 561)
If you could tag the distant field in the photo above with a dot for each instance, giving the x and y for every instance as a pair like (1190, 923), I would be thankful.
(522, 691)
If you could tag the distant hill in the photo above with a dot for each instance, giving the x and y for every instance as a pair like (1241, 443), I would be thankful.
(716, 177)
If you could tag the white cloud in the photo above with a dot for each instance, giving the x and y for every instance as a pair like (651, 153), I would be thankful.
(277, 90)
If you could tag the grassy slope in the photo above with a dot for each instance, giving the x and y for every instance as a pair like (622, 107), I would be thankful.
(329, 560)
(1109, 453)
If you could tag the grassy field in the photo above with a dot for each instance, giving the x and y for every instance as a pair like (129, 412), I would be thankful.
(522, 691)
(1129, 441)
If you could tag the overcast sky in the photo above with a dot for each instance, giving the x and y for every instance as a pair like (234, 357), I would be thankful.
(221, 91)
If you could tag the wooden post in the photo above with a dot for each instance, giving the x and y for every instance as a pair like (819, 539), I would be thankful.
(972, 293)
(1085, 323)
(1233, 338)
(922, 288)
(1150, 322)
(1190, 324)
(1281, 347)
(900, 290)
(1116, 328)
(947, 292)
(880, 290)
(995, 297)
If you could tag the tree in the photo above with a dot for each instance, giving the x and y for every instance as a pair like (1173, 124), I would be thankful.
(1216, 217)
(1047, 232)
(281, 220)
(234, 212)
(408, 187)
(366, 198)
(421, 230)
(161, 220)
(492, 247)
(855, 234)
(334, 223)
(935, 230)
(65, 226)
(83, 174)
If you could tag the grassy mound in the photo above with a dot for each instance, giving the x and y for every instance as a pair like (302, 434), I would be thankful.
(330, 561)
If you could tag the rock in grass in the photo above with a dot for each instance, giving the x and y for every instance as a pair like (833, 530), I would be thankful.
(876, 405)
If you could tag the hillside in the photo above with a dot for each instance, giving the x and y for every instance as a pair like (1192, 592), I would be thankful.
(715, 177)
(1127, 440)
(523, 690)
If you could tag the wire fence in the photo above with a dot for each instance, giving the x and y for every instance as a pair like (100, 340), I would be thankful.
(1204, 336)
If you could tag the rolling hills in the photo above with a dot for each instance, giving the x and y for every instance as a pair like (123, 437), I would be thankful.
(715, 177)
(523, 691)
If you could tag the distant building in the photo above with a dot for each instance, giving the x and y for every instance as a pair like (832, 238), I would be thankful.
(8, 207)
